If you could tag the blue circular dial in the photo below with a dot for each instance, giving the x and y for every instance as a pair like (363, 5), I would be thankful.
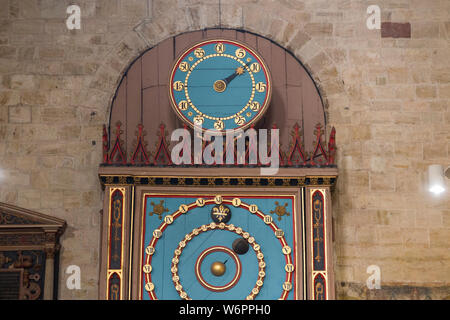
(220, 85)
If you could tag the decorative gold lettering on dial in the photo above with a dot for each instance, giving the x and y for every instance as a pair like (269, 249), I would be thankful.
(289, 267)
(218, 199)
(255, 105)
(240, 53)
(279, 233)
(149, 286)
(183, 105)
(236, 202)
(184, 66)
(220, 47)
(199, 53)
(253, 208)
(286, 250)
(240, 120)
(268, 219)
(178, 86)
(200, 202)
(150, 250)
(287, 286)
(168, 219)
(198, 120)
(157, 233)
(255, 67)
(147, 268)
(183, 208)
(260, 87)
(219, 125)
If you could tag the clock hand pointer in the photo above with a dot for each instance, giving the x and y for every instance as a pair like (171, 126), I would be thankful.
(239, 71)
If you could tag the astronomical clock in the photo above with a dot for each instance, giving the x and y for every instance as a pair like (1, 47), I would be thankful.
(220, 84)
(222, 232)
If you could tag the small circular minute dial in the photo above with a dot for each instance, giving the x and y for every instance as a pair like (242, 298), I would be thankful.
(220, 84)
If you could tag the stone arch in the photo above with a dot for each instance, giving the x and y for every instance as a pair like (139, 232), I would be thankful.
(149, 32)
(141, 96)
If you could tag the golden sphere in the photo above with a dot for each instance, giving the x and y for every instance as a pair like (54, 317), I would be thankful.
(218, 268)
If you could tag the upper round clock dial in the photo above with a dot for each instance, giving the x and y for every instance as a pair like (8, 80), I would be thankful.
(220, 84)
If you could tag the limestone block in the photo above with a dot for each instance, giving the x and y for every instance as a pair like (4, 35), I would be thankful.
(413, 237)
(9, 98)
(317, 29)
(426, 92)
(7, 52)
(19, 114)
(22, 82)
(382, 181)
(29, 199)
(28, 26)
(439, 237)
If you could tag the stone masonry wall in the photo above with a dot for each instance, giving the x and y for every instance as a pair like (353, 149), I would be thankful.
(388, 98)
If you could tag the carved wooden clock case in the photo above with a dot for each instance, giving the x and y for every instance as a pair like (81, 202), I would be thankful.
(216, 232)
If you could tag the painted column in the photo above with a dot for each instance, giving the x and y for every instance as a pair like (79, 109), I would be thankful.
(320, 258)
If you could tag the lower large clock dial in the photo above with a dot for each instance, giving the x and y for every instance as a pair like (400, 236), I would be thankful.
(185, 254)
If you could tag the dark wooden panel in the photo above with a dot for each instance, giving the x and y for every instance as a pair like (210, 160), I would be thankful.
(151, 115)
(229, 34)
(250, 39)
(118, 109)
(10, 283)
(186, 40)
(295, 104)
(133, 102)
(277, 66)
(264, 47)
(213, 33)
(166, 114)
(276, 114)
(312, 110)
(240, 35)
(165, 59)
(294, 71)
(150, 69)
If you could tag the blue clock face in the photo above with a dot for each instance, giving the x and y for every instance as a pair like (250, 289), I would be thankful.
(219, 247)
(220, 85)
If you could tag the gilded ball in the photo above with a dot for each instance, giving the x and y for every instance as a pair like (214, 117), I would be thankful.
(218, 268)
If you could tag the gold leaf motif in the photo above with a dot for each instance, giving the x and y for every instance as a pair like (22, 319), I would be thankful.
(280, 210)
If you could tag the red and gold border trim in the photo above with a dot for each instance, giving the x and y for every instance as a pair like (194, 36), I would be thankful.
(318, 224)
(150, 248)
(116, 220)
(209, 286)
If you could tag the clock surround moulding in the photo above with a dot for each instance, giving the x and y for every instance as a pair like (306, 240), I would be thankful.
(131, 168)
(313, 191)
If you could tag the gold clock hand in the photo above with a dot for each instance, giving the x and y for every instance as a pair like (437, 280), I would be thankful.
(221, 85)
(239, 71)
